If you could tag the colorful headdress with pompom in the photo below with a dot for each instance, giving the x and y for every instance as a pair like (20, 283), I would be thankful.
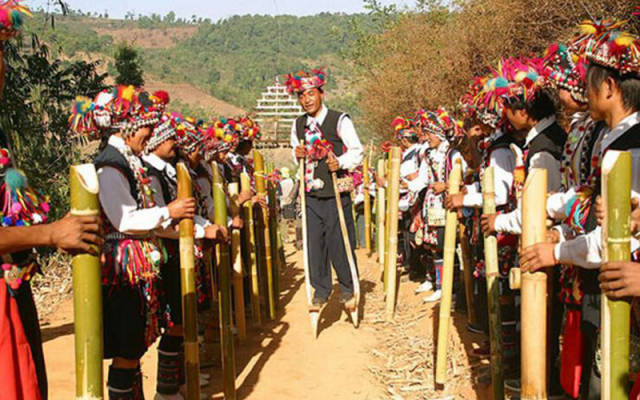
(160, 99)
(525, 76)
(165, 130)
(300, 81)
(12, 15)
(404, 128)
(566, 70)
(248, 129)
(616, 49)
(190, 137)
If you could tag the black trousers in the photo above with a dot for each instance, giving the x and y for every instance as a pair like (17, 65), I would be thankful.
(326, 243)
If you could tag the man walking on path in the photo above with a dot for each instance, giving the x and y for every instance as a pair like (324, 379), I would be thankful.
(327, 142)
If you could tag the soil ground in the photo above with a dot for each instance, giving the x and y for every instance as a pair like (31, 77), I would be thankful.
(281, 360)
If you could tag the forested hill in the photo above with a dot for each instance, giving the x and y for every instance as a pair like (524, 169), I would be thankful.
(233, 59)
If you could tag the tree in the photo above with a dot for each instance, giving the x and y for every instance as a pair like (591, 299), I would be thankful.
(170, 18)
(128, 66)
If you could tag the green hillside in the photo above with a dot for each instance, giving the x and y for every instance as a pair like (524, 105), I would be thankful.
(232, 59)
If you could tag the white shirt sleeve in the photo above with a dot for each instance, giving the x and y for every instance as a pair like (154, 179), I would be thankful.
(510, 222)
(355, 152)
(557, 204)
(547, 161)
(473, 197)
(122, 210)
(421, 181)
(503, 162)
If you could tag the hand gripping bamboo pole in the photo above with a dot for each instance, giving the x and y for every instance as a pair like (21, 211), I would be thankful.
(258, 162)
(534, 290)
(616, 233)
(273, 236)
(250, 243)
(493, 290)
(451, 225)
(188, 286)
(367, 205)
(238, 276)
(224, 291)
(380, 216)
(393, 183)
(87, 291)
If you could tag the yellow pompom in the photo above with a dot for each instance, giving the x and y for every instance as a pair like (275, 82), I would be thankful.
(128, 92)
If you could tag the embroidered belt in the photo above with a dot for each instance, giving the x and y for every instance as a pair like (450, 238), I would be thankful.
(15, 275)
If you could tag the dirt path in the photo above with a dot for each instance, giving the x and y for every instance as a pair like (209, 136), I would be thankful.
(281, 360)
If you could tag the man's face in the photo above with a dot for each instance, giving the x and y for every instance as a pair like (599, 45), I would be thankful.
(138, 141)
(569, 103)
(600, 99)
(404, 144)
(434, 140)
(195, 156)
(518, 118)
(311, 100)
(167, 150)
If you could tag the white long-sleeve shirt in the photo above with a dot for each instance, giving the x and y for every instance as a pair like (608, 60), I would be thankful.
(503, 162)
(586, 250)
(120, 207)
(354, 154)
(512, 222)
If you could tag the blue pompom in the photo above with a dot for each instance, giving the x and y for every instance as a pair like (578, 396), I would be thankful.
(15, 179)
(20, 223)
(6, 221)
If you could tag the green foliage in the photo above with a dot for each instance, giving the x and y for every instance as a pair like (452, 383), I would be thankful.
(36, 104)
(128, 66)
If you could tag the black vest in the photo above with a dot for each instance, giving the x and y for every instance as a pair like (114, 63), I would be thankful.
(111, 157)
(550, 140)
(329, 130)
(167, 193)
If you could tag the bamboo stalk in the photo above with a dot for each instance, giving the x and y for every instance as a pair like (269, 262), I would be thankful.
(387, 224)
(450, 228)
(236, 256)
(493, 290)
(258, 162)
(367, 205)
(188, 286)
(224, 291)
(87, 290)
(273, 235)
(380, 216)
(392, 237)
(534, 290)
(616, 232)
(355, 222)
(467, 271)
(250, 243)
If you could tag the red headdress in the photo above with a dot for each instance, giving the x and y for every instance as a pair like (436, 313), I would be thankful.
(303, 80)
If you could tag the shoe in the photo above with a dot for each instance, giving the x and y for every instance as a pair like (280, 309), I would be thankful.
(425, 286)
(204, 375)
(474, 328)
(512, 385)
(433, 297)
(175, 396)
(204, 382)
(318, 301)
(482, 351)
(345, 297)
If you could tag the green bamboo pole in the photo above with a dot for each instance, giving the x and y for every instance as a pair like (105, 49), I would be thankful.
(451, 226)
(616, 314)
(380, 217)
(87, 290)
(236, 256)
(493, 290)
(387, 223)
(224, 291)
(188, 286)
(250, 243)
(258, 163)
(393, 183)
(533, 310)
(367, 205)
(273, 235)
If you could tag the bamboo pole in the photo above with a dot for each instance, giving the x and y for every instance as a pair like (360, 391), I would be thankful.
(534, 290)
(87, 290)
(224, 291)
(258, 162)
(250, 243)
(367, 205)
(236, 256)
(314, 312)
(451, 226)
(616, 233)
(391, 269)
(493, 290)
(380, 216)
(387, 223)
(273, 235)
(188, 286)
(355, 222)
(467, 271)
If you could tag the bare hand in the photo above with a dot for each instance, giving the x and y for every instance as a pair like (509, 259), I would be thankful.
(620, 279)
(216, 233)
(599, 210)
(488, 223)
(538, 256)
(412, 176)
(260, 200)
(332, 162)
(438, 187)
(453, 201)
(182, 208)
(381, 181)
(244, 196)
(237, 222)
(635, 215)
(301, 152)
(553, 236)
(404, 184)
(77, 234)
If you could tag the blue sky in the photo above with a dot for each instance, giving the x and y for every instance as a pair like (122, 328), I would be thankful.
(215, 9)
